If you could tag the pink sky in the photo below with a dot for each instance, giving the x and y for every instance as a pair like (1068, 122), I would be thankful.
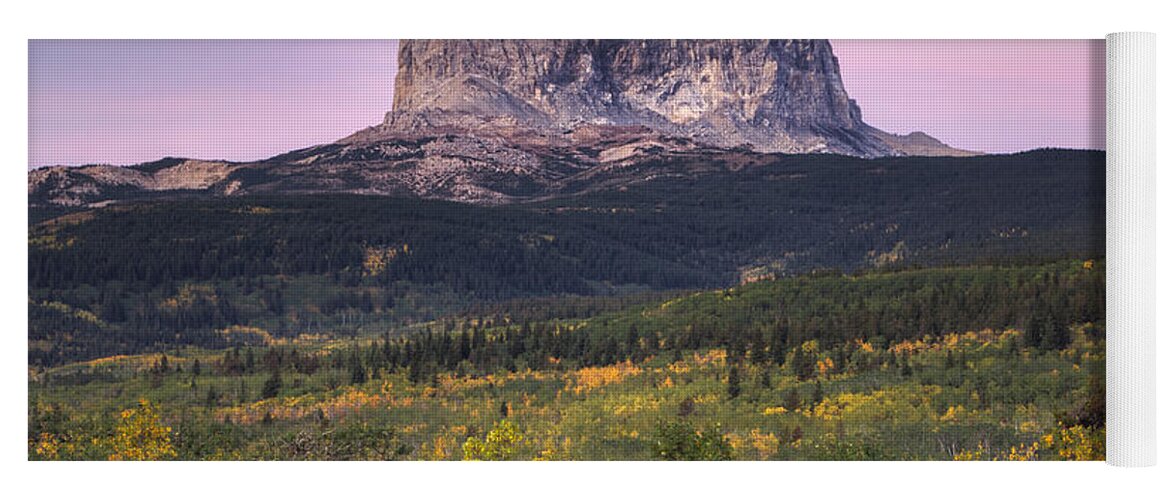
(125, 102)
(986, 95)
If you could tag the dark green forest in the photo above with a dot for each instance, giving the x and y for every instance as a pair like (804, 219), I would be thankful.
(181, 270)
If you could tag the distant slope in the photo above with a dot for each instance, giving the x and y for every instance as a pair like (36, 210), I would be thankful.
(709, 215)
(693, 222)
(502, 168)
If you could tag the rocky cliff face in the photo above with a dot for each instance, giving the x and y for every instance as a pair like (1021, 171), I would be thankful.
(773, 95)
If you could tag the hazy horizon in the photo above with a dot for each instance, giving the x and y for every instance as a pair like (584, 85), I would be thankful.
(131, 101)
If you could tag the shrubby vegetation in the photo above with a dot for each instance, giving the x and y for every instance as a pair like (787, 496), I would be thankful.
(983, 363)
(680, 441)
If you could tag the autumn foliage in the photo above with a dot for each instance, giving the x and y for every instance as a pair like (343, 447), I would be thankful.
(140, 435)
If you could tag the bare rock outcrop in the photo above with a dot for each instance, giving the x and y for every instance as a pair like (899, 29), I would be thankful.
(770, 95)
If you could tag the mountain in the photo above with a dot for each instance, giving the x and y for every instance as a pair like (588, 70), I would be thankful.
(771, 95)
(505, 121)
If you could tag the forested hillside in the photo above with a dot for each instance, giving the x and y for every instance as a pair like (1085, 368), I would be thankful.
(155, 274)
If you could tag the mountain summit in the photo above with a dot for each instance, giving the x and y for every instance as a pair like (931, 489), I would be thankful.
(773, 96)
(502, 121)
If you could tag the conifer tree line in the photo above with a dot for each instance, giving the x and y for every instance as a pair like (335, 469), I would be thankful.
(880, 310)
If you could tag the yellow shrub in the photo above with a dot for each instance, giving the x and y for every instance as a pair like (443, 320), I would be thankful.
(140, 435)
(766, 445)
(590, 378)
(501, 443)
(1079, 443)
(776, 410)
(897, 404)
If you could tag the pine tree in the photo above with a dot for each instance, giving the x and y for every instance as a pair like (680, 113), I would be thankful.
(213, 397)
(804, 364)
(733, 382)
(736, 349)
(1057, 336)
(1034, 335)
(633, 350)
(759, 352)
(357, 371)
(780, 339)
(415, 370)
(272, 386)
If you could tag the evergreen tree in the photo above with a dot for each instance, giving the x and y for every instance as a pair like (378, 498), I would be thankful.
(1057, 335)
(1034, 335)
(780, 339)
(357, 371)
(792, 399)
(213, 397)
(415, 370)
(733, 382)
(272, 386)
(766, 378)
(759, 351)
(633, 350)
(804, 364)
(736, 349)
